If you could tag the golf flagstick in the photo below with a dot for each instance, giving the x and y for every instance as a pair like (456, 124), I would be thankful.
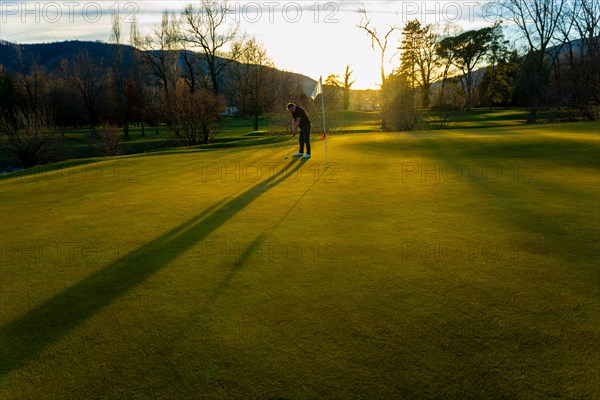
(324, 137)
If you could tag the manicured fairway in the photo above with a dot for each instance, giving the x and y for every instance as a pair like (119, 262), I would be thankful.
(435, 264)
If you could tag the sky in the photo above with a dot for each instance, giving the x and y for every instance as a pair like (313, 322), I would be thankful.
(314, 38)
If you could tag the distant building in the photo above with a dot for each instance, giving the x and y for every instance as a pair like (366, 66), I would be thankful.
(229, 112)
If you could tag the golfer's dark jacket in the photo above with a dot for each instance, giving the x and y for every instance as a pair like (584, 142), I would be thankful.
(301, 113)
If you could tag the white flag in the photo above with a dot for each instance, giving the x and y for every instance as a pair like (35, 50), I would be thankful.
(318, 89)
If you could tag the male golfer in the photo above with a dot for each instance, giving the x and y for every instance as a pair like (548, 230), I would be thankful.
(300, 120)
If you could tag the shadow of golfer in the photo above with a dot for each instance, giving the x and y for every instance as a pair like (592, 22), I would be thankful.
(31, 333)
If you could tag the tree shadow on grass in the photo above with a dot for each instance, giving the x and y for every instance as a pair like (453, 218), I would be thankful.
(574, 154)
(524, 207)
(28, 335)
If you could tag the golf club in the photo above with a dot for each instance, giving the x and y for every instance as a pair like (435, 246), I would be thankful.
(289, 147)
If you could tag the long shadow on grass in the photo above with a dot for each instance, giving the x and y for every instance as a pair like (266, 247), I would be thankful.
(247, 255)
(573, 153)
(511, 195)
(28, 335)
(518, 204)
(183, 326)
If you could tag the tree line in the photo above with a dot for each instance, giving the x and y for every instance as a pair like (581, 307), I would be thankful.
(192, 68)
(444, 70)
(195, 65)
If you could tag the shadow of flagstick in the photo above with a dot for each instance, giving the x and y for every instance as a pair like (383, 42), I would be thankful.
(247, 255)
(31, 333)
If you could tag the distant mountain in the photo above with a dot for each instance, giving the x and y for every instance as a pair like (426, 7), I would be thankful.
(50, 55)
(562, 50)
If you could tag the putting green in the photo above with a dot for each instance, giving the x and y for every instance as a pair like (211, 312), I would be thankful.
(449, 264)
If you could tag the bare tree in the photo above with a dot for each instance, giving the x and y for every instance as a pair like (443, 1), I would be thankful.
(580, 80)
(192, 67)
(107, 142)
(347, 87)
(10, 96)
(119, 72)
(194, 115)
(538, 20)
(252, 75)
(381, 43)
(30, 137)
(161, 51)
(88, 76)
(30, 76)
(138, 71)
(206, 27)
(281, 89)
(59, 95)
(587, 23)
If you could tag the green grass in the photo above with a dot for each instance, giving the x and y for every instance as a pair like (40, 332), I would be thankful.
(479, 118)
(433, 264)
(357, 121)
